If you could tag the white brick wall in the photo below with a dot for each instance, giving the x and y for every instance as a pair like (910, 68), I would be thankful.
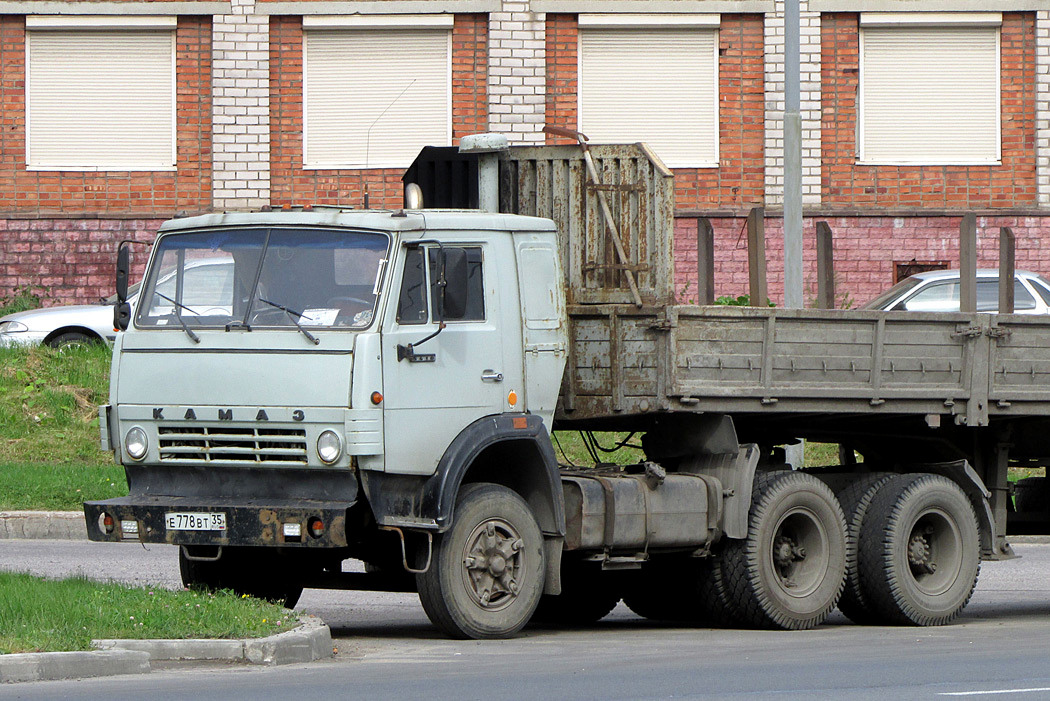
(517, 72)
(1042, 106)
(241, 108)
(809, 49)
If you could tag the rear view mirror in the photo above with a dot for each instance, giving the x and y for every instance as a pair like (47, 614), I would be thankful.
(454, 273)
(122, 310)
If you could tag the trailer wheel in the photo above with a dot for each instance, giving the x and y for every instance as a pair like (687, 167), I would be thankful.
(855, 499)
(789, 571)
(587, 596)
(240, 572)
(919, 551)
(486, 575)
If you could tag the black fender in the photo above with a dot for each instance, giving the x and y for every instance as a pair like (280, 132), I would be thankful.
(477, 454)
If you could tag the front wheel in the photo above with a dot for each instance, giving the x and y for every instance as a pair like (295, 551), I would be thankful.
(487, 571)
(919, 551)
(789, 571)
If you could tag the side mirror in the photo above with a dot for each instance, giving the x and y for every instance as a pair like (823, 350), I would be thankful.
(122, 310)
(123, 268)
(454, 293)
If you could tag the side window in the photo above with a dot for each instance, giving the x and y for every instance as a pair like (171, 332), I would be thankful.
(937, 297)
(475, 310)
(412, 303)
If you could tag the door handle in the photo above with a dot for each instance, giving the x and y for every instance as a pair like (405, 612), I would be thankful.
(491, 376)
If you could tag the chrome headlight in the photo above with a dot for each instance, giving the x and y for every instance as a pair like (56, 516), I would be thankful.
(13, 327)
(329, 447)
(136, 443)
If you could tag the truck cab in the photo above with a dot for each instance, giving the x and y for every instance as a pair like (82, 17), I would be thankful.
(293, 382)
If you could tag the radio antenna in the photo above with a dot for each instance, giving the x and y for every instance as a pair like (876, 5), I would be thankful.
(368, 133)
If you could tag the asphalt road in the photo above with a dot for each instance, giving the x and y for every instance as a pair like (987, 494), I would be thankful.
(387, 649)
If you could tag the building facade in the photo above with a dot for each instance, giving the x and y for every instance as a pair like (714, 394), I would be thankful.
(117, 114)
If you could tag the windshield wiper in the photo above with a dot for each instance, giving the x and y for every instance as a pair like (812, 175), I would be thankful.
(294, 316)
(178, 317)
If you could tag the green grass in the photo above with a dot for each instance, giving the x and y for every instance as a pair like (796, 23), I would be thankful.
(49, 433)
(45, 615)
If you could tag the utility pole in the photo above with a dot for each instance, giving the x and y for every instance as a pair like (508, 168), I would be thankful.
(792, 181)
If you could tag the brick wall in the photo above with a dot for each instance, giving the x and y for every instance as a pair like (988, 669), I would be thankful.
(160, 193)
(738, 182)
(1013, 184)
(867, 248)
(290, 183)
(73, 259)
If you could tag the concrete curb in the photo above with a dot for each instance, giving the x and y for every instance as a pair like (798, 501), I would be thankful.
(55, 525)
(310, 641)
(50, 666)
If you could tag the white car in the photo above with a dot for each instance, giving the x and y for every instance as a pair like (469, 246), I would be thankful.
(938, 291)
(93, 323)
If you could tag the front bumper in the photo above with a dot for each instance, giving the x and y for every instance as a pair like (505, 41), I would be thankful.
(251, 523)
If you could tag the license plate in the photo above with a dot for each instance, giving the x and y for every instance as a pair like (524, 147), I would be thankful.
(195, 521)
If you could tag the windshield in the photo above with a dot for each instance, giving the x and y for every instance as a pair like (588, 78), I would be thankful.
(264, 278)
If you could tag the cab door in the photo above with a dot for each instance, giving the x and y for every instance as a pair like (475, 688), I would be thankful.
(449, 380)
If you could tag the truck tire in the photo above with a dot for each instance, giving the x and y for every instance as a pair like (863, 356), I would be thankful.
(486, 575)
(789, 571)
(855, 499)
(587, 596)
(919, 551)
(712, 596)
(238, 571)
(1032, 494)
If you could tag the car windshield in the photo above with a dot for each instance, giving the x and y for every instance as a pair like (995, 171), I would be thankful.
(259, 277)
(893, 293)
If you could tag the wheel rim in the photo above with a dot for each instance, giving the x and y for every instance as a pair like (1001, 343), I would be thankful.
(799, 553)
(493, 564)
(934, 552)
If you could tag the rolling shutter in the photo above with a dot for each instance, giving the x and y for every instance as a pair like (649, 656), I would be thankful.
(100, 99)
(929, 95)
(373, 97)
(652, 84)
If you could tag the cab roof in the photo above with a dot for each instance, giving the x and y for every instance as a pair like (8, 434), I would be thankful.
(375, 220)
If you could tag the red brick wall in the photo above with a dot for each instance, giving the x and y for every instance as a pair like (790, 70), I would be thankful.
(844, 183)
(866, 250)
(738, 182)
(160, 193)
(74, 260)
(290, 183)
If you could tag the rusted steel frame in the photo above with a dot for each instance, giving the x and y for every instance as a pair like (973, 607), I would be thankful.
(1007, 252)
(756, 256)
(825, 267)
(705, 261)
(614, 234)
(968, 263)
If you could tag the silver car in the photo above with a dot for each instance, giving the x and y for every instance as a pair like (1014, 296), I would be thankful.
(93, 323)
(938, 291)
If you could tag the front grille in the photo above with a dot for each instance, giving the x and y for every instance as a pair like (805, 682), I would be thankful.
(198, 445)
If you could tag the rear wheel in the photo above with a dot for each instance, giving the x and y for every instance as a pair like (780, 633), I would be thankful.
(486, 574)
(919, 553)
(855, 499)
(242, 570)
(789, 571)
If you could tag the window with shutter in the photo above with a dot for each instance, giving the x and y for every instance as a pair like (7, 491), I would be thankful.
(100, 96)
(374, 95)
(654, 81)
(929, 91)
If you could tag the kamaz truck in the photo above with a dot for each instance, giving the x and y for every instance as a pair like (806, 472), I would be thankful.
(324, 384)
